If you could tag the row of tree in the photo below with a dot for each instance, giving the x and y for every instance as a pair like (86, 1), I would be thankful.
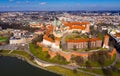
(16, 26)
(100, 57)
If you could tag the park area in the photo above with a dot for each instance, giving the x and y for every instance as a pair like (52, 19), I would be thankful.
(3, 39)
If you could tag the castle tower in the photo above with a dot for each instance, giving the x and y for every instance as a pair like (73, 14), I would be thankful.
(57, 41)
(87, 29)
(106, 41)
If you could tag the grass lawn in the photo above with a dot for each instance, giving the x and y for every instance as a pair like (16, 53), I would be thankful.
(104, 49)
(93, 64)
(22, 53)
(45, 56)
(75, 35)
(3, 39)
(97, 64)
(97, 71)
(106, 63)
(101, 72)
(118, 64)
(18, 53)
(65, 71)
(100, 35)
(5, 52)
(116, 73)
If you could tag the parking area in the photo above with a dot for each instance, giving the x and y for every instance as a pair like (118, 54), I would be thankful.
(18, 47)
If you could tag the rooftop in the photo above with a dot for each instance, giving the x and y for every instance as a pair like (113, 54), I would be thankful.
(117, 34)
(82, 40)
(48, 38)
(76, 25)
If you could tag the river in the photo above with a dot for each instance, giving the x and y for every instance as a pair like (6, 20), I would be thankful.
(12, 66)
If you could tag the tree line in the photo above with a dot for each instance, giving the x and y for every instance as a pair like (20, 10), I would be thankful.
(16, 26)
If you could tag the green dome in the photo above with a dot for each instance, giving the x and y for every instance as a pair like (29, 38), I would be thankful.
(56, 23)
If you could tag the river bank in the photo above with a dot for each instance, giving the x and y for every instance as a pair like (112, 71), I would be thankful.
(12, 66)
(67, 72)
(24, 58)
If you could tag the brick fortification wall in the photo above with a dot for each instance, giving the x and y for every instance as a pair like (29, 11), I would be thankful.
(69, 55)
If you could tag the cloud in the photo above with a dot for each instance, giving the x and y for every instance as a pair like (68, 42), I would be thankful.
(43, 3)
(25, 2)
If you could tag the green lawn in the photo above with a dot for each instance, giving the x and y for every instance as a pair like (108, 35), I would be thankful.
(76, 36)
(116, 73)
(102, 72)
(100, 35)
(97, 64)
(45, 56)
(97, 71)
(3, 39)
(5, 52)
(118, 64)
(22, 53)
(106, 63)
(93, 64)
(66, 72)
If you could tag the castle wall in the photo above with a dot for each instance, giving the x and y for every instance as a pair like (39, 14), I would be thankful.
(69, 55)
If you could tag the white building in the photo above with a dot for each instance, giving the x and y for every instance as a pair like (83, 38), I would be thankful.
(51, 44)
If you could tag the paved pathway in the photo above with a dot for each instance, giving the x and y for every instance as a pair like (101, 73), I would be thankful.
(10, 51)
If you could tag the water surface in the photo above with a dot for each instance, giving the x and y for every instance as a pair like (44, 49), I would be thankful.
(11, 66)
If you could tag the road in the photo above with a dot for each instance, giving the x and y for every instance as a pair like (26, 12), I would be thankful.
(19, 47)
(9, 47)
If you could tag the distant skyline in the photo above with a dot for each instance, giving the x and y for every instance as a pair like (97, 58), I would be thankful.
(55, 5)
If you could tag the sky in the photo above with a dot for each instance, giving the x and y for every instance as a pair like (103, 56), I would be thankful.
(56, 5)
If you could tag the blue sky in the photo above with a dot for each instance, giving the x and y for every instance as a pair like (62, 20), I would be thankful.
(48, 5)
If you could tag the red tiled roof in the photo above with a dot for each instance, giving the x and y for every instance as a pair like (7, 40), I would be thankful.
(117, 34)
(106, 36)
(47, 38)
(50, 29)
(77, 40)
(76, 25)
(82, 40)
(94, 39)
(57, 38)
